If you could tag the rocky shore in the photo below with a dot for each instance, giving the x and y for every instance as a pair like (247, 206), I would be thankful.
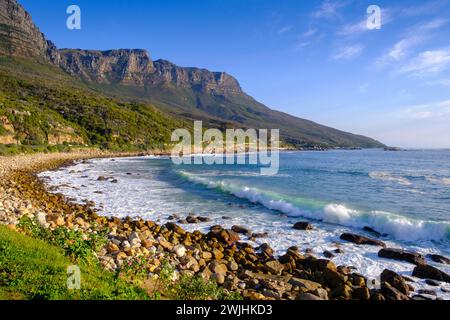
(219, 255)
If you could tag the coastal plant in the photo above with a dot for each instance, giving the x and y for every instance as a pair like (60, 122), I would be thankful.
(76, 244)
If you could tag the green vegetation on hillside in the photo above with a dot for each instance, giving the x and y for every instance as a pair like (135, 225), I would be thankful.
(33, 269)
(47, 107)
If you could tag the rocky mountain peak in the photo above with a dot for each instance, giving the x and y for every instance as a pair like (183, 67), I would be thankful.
(124, 66)
(20, 37)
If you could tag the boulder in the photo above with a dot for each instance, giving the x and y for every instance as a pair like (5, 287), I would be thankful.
(241, 230)
(395, 280)
(402, 255)
(308, 297)
(362, 293)
(192, 219)
(328, 254)
(217, 267)
(304, 285)
(392, 293)
(430, 272)
(274, 267)
(372, 231)
(439, 259)
(179, 250)
(358, 239)
(342, 292)
(303, 225)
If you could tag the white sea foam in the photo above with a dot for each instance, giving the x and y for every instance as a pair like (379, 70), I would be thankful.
(398, 227)
(386, 176)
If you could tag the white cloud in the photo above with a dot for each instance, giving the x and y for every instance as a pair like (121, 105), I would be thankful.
(438, 110)
(309, 33)
(413, 37)
(285, 29)
(329, 10)
(428, 62)
(348, 52)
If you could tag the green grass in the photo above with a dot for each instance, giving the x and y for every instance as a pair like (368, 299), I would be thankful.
(33, 269)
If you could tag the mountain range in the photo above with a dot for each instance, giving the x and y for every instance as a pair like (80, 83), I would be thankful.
(106, 97)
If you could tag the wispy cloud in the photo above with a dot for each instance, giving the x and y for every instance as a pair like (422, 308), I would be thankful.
(329, 10)
(437, 110)
(412, 38)
(285, 29)
(432, 61)
(348, 52)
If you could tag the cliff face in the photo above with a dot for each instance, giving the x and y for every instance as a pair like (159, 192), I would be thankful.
(107, 67)
(20, 37)
(135, 67)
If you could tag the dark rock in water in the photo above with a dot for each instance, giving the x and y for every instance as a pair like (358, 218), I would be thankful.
(226, 218)
(204, 219)
(308, 250)
(395, 280)
(338, 251)
(302, 225)
(432, 283)
(182, 221)
(372, 231)
(428, 292)
(260, 235)
(328, 254)
(407, 279)
(402, 255)
(102, 178)
(439, 259)
(192, 219)
(357, 239)
(429, 272)
(421, 298)
(241, 230)
(114, 181)
(392, 293)
(129, 174)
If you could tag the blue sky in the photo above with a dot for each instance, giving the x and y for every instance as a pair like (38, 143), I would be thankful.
(315, 59)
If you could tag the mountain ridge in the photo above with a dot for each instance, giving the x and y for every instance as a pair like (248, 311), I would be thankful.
(183, 92)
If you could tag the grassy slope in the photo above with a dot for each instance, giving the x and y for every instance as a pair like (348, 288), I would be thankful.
(55, 100)
(33, 269)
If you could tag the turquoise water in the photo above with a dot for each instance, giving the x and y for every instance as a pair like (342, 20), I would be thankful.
(403, 195)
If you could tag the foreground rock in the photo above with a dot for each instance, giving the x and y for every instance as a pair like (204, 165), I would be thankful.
(358, 239)
(402, 255)
(395, 280)
(430, 272)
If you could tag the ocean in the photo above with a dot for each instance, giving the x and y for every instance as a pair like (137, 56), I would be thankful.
(403, 195)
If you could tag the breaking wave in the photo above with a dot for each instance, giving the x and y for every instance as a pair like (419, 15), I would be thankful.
(397, 226)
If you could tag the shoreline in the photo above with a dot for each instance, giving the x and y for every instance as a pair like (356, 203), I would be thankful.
(218, 255)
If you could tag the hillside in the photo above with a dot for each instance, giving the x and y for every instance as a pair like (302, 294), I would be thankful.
(40, 104)
(108, 80)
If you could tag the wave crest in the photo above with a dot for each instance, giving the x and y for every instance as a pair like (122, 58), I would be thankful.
(398, 227)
